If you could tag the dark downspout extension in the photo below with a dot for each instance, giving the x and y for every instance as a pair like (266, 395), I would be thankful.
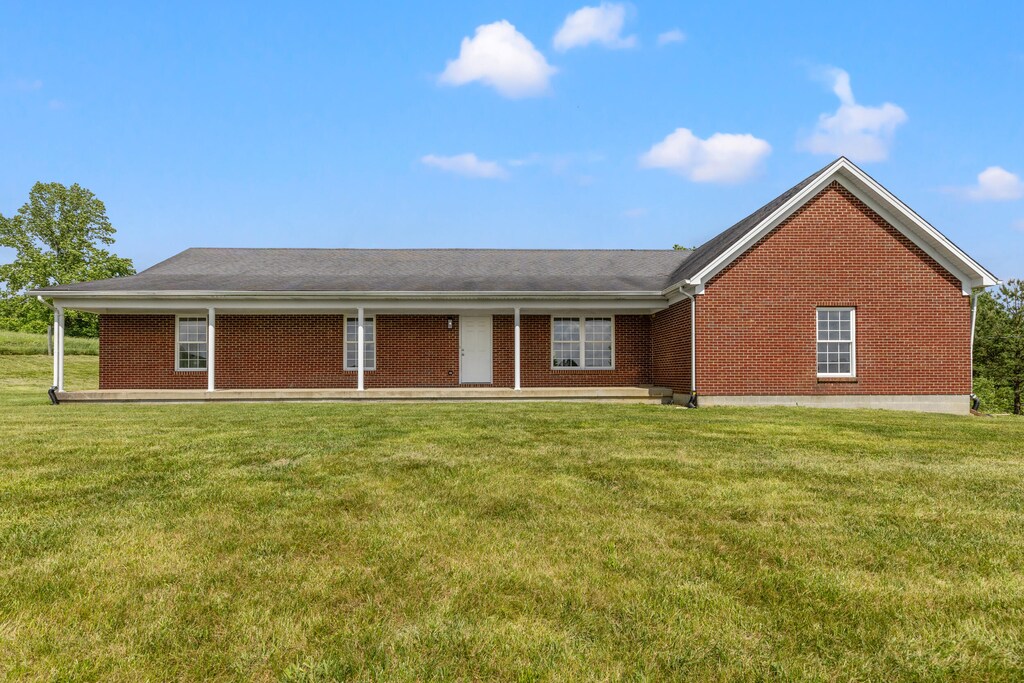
(52, 392)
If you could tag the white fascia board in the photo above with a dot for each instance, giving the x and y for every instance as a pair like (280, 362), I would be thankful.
(138, 304)
(677, 294)
(759, 230)
(963, 263)
(865, 188)
(967, 280)
(298, 296)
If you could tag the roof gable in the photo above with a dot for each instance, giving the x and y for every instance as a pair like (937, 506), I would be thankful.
(714, 255)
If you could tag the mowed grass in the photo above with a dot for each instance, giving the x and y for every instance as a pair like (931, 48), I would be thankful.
(408, 542)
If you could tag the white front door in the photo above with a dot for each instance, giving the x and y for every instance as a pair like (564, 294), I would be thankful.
(475, 349)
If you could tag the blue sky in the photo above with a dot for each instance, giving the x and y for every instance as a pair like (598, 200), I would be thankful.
(382, 124)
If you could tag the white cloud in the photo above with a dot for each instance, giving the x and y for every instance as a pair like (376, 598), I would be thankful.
(503, 58)
(673, 36)
(859, 132)
(995, 184)
(466, 165)
(722, 158)
(602, 24)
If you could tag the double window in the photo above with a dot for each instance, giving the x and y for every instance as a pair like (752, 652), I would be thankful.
(583, 342)
(352, 344)
(837, 339)
(191, 343)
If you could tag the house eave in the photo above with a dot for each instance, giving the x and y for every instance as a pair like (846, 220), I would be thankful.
(324, 301)
(331, 295)
(878, 198)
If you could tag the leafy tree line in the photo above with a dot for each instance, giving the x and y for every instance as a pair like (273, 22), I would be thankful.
(999, 348)
(58, 237)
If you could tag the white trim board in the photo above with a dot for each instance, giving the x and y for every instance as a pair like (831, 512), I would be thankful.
(582, 318)
(178, 342)
(884, 203)
(253, 305)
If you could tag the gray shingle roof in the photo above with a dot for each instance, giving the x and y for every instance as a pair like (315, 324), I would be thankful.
(431, 270)
(400, 270)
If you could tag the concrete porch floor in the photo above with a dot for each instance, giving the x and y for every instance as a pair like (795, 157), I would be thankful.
(642, 394)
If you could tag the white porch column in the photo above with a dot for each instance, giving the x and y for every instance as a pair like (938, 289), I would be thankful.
(518, 385)
(211, 326)
(58, 348)
(361, 350)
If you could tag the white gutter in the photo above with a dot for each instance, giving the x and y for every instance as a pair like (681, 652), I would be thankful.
(291, 294)
(974, 320)
(693, 346)
(44, 302)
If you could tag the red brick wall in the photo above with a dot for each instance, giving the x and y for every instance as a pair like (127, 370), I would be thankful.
(670, 340)
(416, 351)
(756, 319)
(632, 354)
(280, 352)
(137, 351)
(283, 351)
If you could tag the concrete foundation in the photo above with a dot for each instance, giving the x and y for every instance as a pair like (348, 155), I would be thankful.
(953, 404)
(644, 394)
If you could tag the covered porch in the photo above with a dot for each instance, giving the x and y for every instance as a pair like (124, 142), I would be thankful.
(320, 348)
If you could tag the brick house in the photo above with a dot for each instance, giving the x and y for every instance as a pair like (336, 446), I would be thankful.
(833, 294)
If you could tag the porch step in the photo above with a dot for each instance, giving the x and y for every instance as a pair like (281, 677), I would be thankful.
(640, 394)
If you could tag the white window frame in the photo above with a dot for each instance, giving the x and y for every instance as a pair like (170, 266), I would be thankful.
(852, 342)
(582, 318)
(345, 343)
(178, 342)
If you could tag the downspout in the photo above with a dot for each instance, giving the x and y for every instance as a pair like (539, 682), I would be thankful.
(44, 302)
(692, 403)
(975, 402)
(52, 391)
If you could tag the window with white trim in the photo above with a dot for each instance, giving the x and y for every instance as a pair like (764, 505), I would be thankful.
(352, 344)
(190, 334)
(583, 342)
(837, 339)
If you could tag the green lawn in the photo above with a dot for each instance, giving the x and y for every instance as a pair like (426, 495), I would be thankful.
(316, 542)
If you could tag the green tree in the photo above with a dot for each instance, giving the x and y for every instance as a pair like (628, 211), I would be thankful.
(999, 341)
(58, 237)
